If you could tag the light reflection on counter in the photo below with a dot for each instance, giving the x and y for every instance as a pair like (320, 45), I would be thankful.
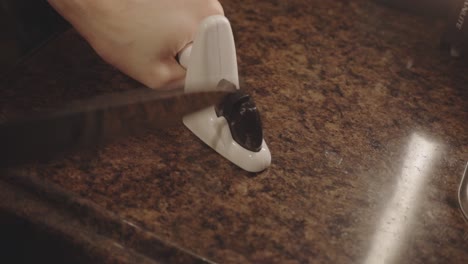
(399, 212)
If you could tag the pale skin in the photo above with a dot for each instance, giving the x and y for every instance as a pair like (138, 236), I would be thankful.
(139, 37)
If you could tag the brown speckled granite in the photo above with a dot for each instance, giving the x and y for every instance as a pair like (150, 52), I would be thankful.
(345, 90)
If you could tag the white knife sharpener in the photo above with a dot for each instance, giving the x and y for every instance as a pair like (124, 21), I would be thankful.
(211, 58)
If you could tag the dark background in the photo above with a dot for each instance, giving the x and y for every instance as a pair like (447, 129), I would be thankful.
(25, 25)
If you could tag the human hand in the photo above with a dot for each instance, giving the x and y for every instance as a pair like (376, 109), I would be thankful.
(139, 37)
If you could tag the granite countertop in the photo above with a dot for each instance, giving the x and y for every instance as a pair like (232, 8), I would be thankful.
(365, 116)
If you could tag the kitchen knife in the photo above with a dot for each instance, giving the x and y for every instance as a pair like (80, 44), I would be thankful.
(94, 122)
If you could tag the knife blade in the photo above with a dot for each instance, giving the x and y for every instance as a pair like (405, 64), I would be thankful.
(100, 120)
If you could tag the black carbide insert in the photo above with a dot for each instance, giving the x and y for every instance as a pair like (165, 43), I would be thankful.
(243, 118)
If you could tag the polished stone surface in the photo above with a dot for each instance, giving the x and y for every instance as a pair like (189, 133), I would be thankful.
(365, 117)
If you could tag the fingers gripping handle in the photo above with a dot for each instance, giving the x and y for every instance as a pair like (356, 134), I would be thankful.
(212, 55)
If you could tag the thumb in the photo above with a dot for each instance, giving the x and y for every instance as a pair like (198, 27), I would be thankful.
(165, 73)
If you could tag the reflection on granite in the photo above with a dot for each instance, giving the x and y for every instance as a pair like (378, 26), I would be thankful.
(365, 118)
